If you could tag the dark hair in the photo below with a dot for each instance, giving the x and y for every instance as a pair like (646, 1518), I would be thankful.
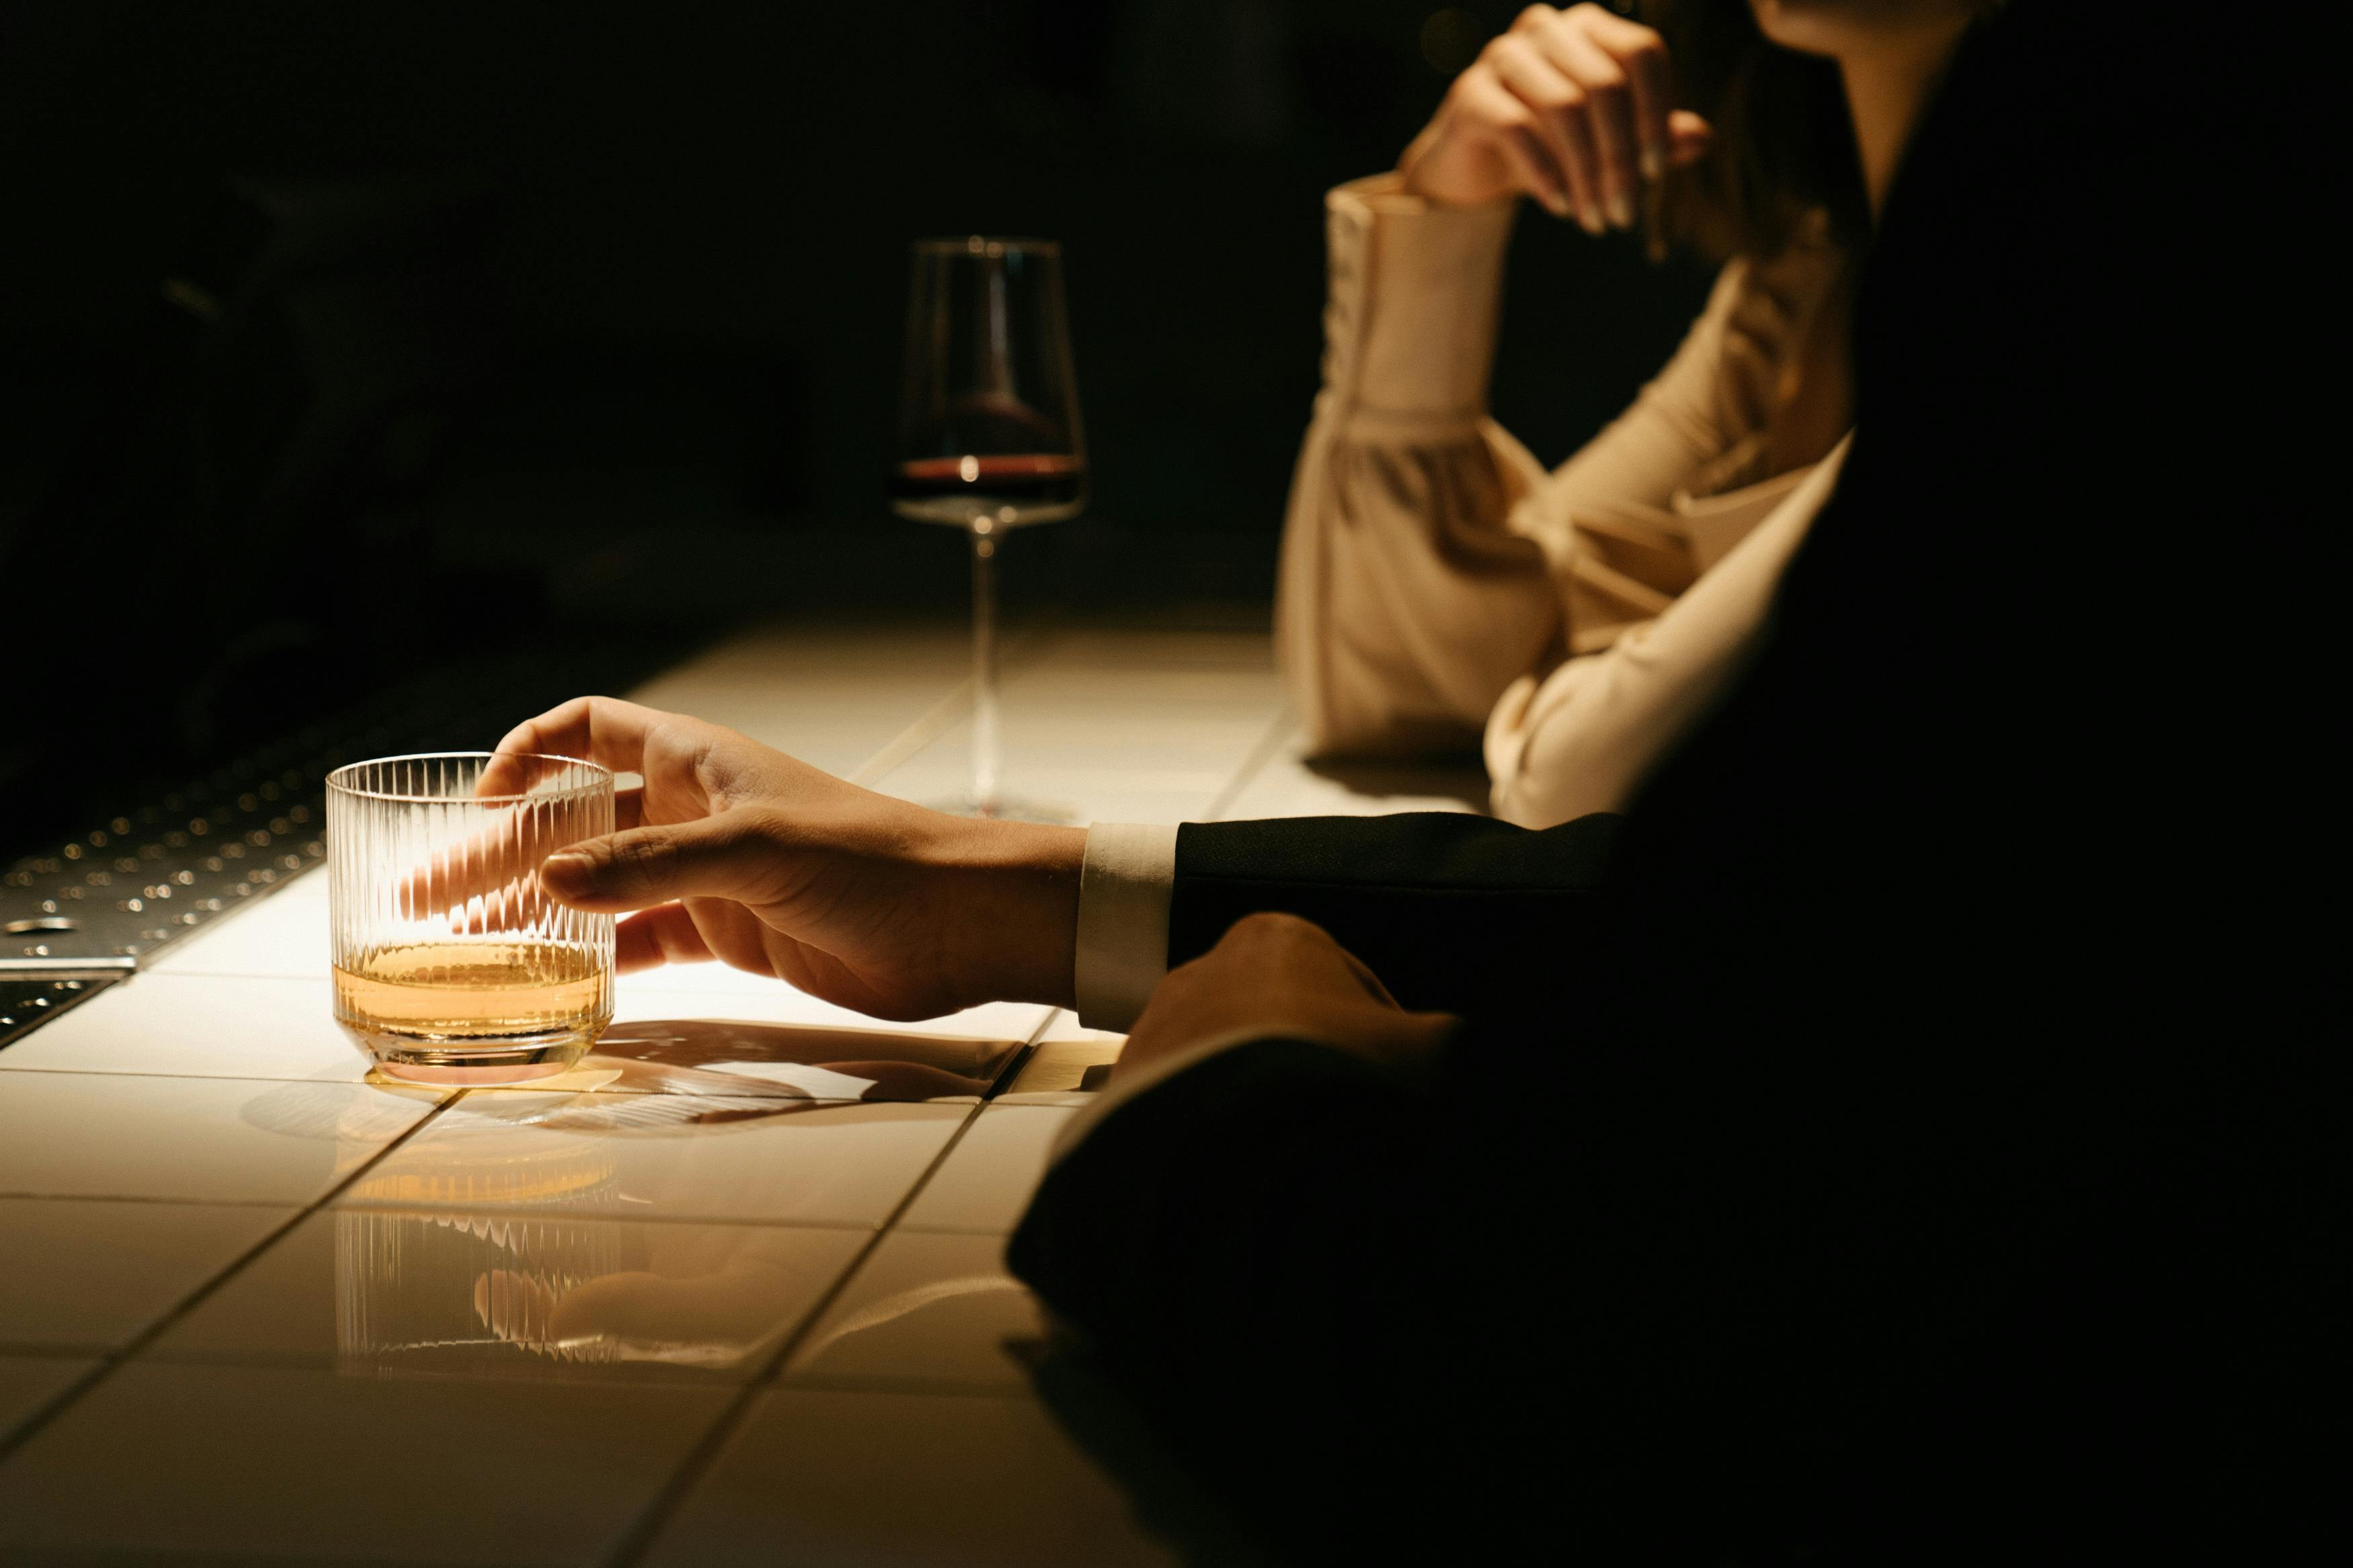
(1784, 142)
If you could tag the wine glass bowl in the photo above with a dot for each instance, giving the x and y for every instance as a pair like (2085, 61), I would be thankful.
(989, 412)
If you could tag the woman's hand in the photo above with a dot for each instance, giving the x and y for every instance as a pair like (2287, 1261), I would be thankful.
(735, 851)
(1573, 107)
(1279, 978)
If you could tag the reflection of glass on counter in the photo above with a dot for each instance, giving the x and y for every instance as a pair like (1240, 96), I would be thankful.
(544, 1172)
(451, 1293)
(447, 1295)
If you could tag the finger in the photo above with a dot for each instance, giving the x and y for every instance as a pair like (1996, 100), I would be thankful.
(1552, 106)
(629, 808)
(724, 857)
(1642, 55)
(1487, 104)
(517, 772)
(643, 1316)
(1533, 17)
(664, 934)
(1688, 139)
(493, 875)
(488, 882)
(1302, 953)
(602, 729)
(1609, 110)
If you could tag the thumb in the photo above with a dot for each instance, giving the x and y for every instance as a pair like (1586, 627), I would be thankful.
(715, 857)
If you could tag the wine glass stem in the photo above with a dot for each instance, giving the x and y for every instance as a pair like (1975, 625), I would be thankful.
(985, 744)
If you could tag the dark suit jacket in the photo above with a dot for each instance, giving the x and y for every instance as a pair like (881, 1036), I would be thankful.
(1868, 1144)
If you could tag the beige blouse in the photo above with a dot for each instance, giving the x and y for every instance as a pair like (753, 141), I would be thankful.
(1437, 582)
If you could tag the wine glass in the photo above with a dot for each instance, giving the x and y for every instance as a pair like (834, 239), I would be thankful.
(988, 436)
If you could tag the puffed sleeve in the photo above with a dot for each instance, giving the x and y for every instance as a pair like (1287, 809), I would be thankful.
(1429, 560)
(1405, 605)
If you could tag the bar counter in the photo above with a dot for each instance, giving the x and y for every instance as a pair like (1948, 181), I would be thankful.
(729, 1291)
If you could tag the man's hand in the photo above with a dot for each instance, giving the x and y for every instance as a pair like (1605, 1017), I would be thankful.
(1285, 978)
(1573, 107)
(735, 851)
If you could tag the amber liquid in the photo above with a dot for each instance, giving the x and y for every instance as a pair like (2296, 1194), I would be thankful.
(477, 991)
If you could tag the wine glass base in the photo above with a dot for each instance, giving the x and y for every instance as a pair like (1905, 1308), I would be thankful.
(1003, 808)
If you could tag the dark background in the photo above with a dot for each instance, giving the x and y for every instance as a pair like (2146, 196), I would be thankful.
(345, 341)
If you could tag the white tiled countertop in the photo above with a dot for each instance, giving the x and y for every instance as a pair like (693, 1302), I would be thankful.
(681, 1308)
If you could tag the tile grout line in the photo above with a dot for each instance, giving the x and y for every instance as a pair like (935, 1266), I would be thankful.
(32, 1197)
(638, 1538)
(1011, 1074)
(177, 1076)
(1278, 730)
(130, 1349)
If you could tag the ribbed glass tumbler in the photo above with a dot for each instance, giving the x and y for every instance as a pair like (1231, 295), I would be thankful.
(451, 965)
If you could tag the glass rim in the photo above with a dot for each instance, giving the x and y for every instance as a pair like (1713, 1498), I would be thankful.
(337, 785)
(985, 244)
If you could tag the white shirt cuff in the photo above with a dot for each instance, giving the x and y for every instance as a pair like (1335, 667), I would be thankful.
(1122, 950)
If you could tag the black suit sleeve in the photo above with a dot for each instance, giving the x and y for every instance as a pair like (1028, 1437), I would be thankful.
(1453, 912)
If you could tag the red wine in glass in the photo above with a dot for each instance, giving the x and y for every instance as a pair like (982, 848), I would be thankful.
(1012, 488)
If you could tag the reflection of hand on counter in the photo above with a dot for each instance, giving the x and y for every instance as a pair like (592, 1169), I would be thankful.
(722, 1057)
(700, 1301)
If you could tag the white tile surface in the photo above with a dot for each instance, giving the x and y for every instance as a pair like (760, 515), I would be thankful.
(986, 1180)
(1082, 795)
(822, 1477)
(925, 1310)
(393, 1293)
(192, 1139)
(716, 991)
(259, 1464)
(1118, 726)
(199, 1025)
(87, 1275)
(29, 1383)
(283, 933)
(832, 696)
(666, 1157)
